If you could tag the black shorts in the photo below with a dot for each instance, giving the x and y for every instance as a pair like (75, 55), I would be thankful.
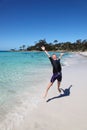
(56, 76)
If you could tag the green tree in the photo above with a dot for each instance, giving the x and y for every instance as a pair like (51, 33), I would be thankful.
(55, 41)
(23, 47)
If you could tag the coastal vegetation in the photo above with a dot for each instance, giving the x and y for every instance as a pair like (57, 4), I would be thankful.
(79, 45)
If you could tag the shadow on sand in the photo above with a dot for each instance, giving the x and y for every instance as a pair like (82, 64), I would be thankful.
(66, 92)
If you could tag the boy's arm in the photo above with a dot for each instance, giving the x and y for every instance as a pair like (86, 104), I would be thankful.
(43, 48)
(61, 54)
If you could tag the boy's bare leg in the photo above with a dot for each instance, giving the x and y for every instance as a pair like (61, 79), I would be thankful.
(48, 87)
(59, 86)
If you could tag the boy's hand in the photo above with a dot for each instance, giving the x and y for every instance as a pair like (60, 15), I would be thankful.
(62, 54)
(43, 48)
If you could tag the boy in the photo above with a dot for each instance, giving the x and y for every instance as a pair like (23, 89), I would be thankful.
(57, 74)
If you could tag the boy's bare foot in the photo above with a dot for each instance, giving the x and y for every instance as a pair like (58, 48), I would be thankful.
(44, 96)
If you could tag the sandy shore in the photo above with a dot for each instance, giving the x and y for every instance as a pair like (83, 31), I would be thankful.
(67, 111)
(83, 53)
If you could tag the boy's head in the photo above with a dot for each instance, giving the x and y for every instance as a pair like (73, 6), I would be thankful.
(54, 57)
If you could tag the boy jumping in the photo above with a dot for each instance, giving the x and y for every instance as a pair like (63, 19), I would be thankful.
(57, 74)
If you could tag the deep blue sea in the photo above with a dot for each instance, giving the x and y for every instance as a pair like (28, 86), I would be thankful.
(23, 77)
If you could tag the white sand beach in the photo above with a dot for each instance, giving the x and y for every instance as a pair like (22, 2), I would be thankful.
(67, 111)
(83, 53)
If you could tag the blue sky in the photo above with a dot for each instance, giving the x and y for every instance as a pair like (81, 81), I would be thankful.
(27, 21)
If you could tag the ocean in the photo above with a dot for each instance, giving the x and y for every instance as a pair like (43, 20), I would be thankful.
(23, 77)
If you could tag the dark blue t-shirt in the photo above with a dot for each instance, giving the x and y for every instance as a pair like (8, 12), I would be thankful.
(56, 65)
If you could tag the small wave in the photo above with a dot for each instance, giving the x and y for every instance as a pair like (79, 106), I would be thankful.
(16, 116)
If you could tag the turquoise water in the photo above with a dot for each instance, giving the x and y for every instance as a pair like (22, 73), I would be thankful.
(22, 79)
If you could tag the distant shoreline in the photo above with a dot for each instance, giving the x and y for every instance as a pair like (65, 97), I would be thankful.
(4, 50)
(83, 53)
